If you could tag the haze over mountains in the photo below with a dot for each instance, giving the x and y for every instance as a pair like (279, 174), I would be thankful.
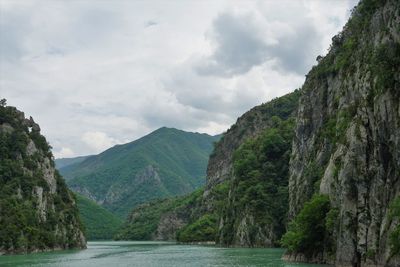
(167, 162)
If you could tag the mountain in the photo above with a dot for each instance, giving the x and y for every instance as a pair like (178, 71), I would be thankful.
(65, 162)
(167, 162)
(225, 210)
(100, 224)
(322, 164)
(37, 211)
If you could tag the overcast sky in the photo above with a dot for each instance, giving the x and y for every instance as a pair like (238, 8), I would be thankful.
(97, 73)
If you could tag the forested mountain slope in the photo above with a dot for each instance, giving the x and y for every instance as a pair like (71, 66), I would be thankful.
(167, 162)
(37, 211)
(100, 224)
(64, 162)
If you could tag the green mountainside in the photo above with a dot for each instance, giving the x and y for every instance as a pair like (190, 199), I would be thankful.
(167, 162)
(100, 224)
(63, 163)
(37, 211)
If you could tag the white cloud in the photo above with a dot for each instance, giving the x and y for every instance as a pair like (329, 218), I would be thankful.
(94, 74)
(65, 152)
(98, 141)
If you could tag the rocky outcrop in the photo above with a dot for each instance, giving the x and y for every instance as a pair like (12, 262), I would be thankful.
(37, 211)
(347, 140)
(170, 223)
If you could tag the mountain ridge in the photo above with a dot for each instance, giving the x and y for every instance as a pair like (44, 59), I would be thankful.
(166, 162)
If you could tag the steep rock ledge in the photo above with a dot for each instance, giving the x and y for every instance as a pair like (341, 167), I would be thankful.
(347, 140)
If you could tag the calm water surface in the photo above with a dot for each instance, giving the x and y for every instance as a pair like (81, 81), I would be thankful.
(115, 254)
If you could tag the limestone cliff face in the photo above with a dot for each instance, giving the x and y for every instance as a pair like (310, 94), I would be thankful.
(347, 140)
(37, 211)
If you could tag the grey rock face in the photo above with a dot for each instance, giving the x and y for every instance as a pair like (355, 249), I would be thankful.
(168, 226)
(360, 157)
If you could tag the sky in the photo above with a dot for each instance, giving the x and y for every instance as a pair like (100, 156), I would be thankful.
(95, 73)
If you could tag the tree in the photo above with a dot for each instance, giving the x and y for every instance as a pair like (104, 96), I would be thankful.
(3, 102)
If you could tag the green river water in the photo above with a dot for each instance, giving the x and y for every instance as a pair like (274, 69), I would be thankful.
(115, 254)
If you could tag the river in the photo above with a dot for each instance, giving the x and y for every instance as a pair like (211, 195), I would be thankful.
(143, 254)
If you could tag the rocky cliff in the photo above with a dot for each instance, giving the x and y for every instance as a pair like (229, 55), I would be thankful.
(37, 211)
(255, 209)
(347, 138)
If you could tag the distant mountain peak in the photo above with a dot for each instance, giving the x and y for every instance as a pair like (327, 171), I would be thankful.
(120, 177)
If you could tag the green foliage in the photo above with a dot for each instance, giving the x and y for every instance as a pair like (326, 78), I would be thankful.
(334, 129)
(204, 226)
(345, 50)
(203, 229)
(21, 227)
(261, 180)
(331, 220)
(144, 219)
(281, 107)
(395, 234)
(179, 158)
(100, 224)
(385, 66)
(308, 232)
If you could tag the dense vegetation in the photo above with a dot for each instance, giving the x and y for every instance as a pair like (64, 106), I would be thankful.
(25, 224)
(203, 225)
(308, 233)
(201, 230)
(100, 224)
(167, 162)
(260, 187)
(195, 223)
(143, 221)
